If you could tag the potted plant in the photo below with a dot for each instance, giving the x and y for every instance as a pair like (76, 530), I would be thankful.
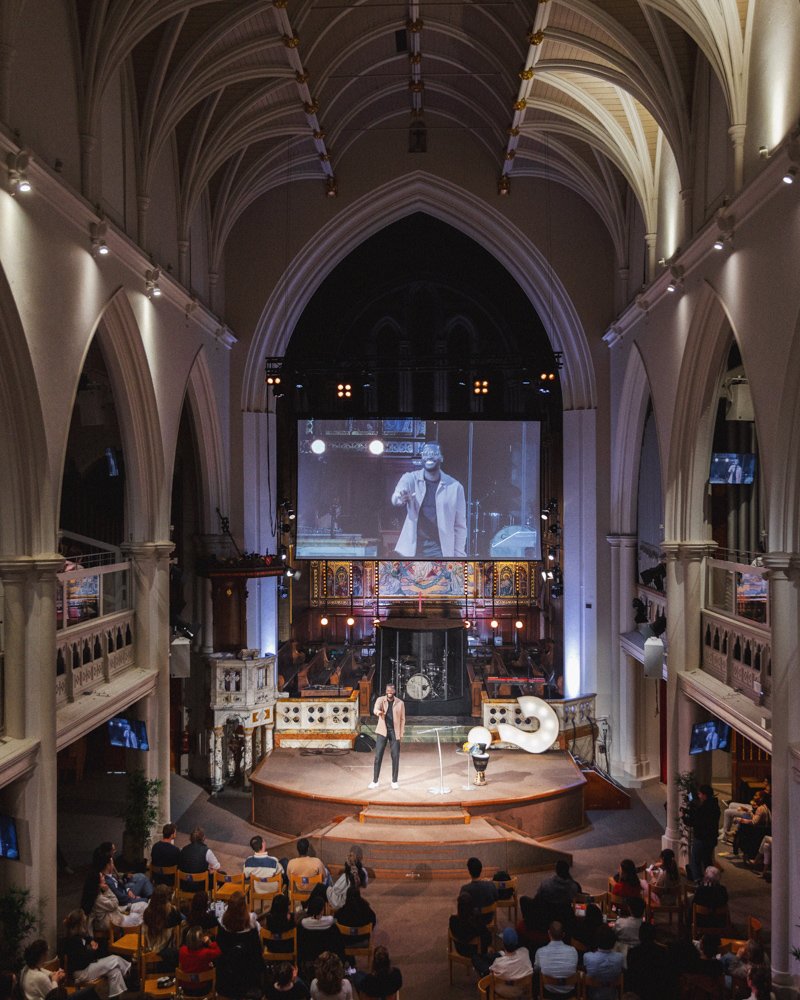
(140, 815)
(17, 921)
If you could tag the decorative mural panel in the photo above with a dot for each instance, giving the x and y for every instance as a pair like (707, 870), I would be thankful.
(411, 578)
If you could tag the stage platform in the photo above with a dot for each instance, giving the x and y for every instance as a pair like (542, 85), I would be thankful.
(325, 797)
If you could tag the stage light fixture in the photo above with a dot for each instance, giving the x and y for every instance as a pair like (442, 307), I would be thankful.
(504, 186)
(493, 623)
(289, 572)
(344, 390)
(519, 623)
(17, 164)
(551, 554)
(351, 621)
(323, 620)
(789, 176)
(376, 447)
(719, 243)
(97, 238)
(480, 387)
(273, 379)
(283, 553)
(152, 287)
(318, 446)
(467, 623)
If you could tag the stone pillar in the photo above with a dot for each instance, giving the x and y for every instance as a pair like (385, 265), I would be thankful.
(630, 671)
(784, 581)
(685, 596)
(737, 133)
(247, 758)
(613, 709)
(217, 775)
(207, 641)
(29, 587)
(142, 207)
(150, 572)
(650, 243)
(687, 197)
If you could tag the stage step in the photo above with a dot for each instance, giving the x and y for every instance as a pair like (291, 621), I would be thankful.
(432, 850)
(440, 814)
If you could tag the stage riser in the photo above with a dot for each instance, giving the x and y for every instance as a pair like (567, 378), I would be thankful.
(413, 816)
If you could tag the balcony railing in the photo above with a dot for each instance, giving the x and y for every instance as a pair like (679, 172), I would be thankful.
(92, 654)
(89, 593)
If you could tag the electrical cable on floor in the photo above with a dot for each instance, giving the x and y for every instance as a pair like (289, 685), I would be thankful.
(324, 752)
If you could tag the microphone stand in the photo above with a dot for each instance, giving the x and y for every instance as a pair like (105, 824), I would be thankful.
(441, 790)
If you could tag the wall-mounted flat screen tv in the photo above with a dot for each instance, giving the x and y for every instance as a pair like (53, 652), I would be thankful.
(407, 488)
(128, 733)
(9, 846)
(733, 468)
(711, 735)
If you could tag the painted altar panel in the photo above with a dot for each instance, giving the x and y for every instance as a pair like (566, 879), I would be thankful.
(413, 578)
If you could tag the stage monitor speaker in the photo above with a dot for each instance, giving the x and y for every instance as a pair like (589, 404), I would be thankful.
(653, 657)
(180, 652)
(364, 743)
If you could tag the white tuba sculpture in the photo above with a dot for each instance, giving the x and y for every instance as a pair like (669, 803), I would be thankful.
(544, 737)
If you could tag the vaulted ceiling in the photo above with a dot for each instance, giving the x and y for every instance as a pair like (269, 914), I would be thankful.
(590, 93)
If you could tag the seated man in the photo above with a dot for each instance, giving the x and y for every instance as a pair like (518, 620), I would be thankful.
(513, 962)
(628, 926)
(164, 853)
(605, 965)
(261, 864)
(197, 857)
(650, 974)
(557, 959)
(556, 893)
(305, 865)
(483, 892)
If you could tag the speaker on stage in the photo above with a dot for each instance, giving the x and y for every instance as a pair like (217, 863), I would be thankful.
(653, 657)
(364, 743)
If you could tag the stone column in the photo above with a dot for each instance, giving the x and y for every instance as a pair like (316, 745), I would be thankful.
(784, 581)
(613, 709)
(150, 572)
(207, 645)
(217, 776)
(630, 671)
(142, 208)
(685, 596)
(29, 587)
(247, 758)
(737, 133)
(650, 243)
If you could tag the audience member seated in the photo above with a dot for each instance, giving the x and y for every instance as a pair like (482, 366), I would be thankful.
(762, 862)
(306, 866)
(557, 893)
(200, 912)
(101, 906)
(81, 956)
(316, 934)
(533, 923)
(626, 881)
(278, 920)
(283, 984)
(557, 959)
(710, 893)
(740, 963)
(465, 927)
(663, 877)
(513, 962)
(751, 830)
(759, 982)
(649, 971)
(164, 853)
(356, 911)
(131, 888)
(605, 965)
(330, 983)
(683, 954)
(709, 963)
(627, 928)
(584, 929)
(240, 967)
(36, 982)
(197, 857)
(261, 864)
(353, 873)
(383, 979)
(199, 953)
(483, 892)
(158, 922)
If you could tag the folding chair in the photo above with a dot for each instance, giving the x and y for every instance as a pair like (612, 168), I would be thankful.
(187, 884)
(225, 886)
(264, 890)
(197, 985)
(511, 902)
(453, 955)
(301, 888)
(357, 941)
(274, 945)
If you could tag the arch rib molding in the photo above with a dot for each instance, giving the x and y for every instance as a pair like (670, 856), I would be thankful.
(421, 192)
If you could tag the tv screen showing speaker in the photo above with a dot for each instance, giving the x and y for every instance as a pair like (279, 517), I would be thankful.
(418, 489)
(711, 735)
(732, 468)
(9, 846)
(128, 733)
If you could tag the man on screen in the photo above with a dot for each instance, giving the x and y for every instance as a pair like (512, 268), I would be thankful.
(436, 510)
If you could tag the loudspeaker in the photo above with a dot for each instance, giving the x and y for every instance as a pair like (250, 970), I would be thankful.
(653, 657)
(364, 743)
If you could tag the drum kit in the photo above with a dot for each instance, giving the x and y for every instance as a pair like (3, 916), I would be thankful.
(419, 685)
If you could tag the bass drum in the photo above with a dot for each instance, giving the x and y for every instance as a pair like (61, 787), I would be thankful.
(418, 687)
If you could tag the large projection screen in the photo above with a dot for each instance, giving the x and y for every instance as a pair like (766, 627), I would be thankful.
(367, 490)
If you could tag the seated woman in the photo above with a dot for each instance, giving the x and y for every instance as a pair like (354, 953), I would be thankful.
(353, 874)
(158, 921)
(279, 920)
(199, 952)
(739, 964)
(383, 980)
(465, 926)
(201, 913)
(101, 906)
(751, 831)
(330, 983)
(626, 881)
(240, 967)
(284, 984)
(81, 957)
(759, 982)
(584, 929)
(711, 894)
(663, 877)
(629, 923)
(35, 982)
(356, 911)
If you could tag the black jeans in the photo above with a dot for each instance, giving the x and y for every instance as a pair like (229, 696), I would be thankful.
(394, 748)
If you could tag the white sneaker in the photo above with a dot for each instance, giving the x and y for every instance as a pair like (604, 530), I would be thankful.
(372, 784)
(395, 784)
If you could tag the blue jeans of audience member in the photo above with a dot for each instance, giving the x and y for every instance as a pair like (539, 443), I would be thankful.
(394, 749)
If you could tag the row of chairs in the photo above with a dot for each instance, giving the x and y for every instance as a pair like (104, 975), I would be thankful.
(576, 986)
(221, 886)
